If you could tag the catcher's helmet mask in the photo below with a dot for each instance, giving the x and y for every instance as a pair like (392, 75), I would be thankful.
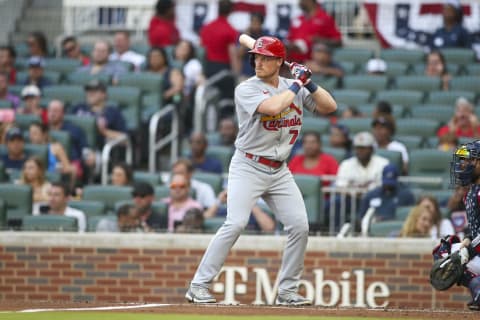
(462, 166)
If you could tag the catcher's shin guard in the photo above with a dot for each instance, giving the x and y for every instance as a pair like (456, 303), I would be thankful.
(474, 287)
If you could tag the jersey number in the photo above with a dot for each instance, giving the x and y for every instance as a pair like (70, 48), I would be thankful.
(294, 134)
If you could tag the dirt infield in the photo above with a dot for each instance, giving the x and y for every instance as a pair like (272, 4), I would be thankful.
(218, 309)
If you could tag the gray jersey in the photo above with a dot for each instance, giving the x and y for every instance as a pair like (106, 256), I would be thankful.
(268, 136)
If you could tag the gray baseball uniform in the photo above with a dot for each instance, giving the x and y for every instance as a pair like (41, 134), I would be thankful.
(262, 138)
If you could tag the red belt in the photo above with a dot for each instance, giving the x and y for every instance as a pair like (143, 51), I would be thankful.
(271, 163)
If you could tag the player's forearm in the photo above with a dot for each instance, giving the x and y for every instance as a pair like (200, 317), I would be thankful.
(277, 103)
(324, 101)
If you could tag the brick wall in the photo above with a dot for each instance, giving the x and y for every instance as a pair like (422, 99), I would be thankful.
(157, 268)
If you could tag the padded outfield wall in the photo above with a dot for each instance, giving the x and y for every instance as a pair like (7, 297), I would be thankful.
(354, 272)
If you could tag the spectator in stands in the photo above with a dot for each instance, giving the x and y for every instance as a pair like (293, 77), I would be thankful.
(351, 112)
(122, 51)
(126, 221)
(383, 128)
(464, 122)
(382, 108)
(31, 103)
(185, 55)
(122, 174)
(110, 121)
(198, 156)
(33, 174)
(59, 195)
(204, 192)
(79, 149)
(313, 161)
(7, 63)
(16, 155)
(71, 49)
(172, 85)
(436, 66)
(315, 25)
(322, 63)
(5, 124)
(228, 130)
(143, 196)
(376, 66)
(259, 220)
(35, 77)
(162, 30)
(37, 44)
(340, 138)
(192, 222)
(58, 160)
(5, 94)
(179, 201)
(418, 223)
(448, 142)
(256, 30)
(219, 39)
(440, 226)
(99, 63)
(388, 197)
(452, 33)
(365, 169)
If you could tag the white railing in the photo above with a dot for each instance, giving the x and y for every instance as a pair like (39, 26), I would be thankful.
(122, 140)
(170, 139)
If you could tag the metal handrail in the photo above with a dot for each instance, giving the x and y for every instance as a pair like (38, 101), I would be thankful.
(107, 149)
(155, 146)
(201, 98)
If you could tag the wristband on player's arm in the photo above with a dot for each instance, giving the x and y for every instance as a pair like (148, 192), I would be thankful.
(295, 86)
(311, 86)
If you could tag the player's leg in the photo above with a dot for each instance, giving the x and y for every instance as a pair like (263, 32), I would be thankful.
(285, 199)
(245, 185)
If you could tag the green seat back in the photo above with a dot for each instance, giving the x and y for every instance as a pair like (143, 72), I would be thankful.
(147, 82)
(459, 55)
(441, 113)
(351, 96)
(402, 55)
(221, 153)
(395, 68)
(394, 157)
(3, 214)
(107, 193)
(337, 153)
(49, 222)
(125, 96)
(429, 162)
(365, 82)
(386, 228)
(81, 78)
(366, 109)
(161, 191)
(211, 225)
(88, 126)
(418, 82)
(5, 104)
(53, 76)
(400, 97)
(18, 199)
(62, 137)
(319, 125)
(420, 127)
(153, 178)
(3, 174)
(328, 83)
(349, 67)
(311, 189)
(401, 213)
(39, 150)
(69, 94)
(358, 56)
(89, 207)
(449, 97)
(64, 66)
(213, 179)
(23, 121)
(465, 83)
(356, 125)
(410, 141)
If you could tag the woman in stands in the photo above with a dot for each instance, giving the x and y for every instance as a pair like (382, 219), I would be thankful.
(441, 226)
(33, 174)
(37, 44)
(436, 66)
(122, 174)
(418, 224)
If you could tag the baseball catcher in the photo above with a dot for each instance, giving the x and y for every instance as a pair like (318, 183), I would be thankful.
(458, 261)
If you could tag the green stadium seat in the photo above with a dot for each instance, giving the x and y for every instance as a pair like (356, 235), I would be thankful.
(459, 55)
(320, 125)
(5, 104)
(311, 189)
(82, 78)
(328, 83)
(357, 124)
(453, 69)
(394, 157)
(213, 179)
(88, 125)
(348, 67)
(39, 150)
(23, 121)
(3, 214)
(214, 138)
(395, 69)
(356, 55)
(337, 153)
(125, 96)
(410, 141)
(473, 70)
(93, 221)
(107, 193)
(418, 83)
(398, 111)
(18, 199)
(151, 103)
(429, 162)
(69, 94)
(404, 98)
(420, 127)
(89, 207)
(442, 114)
(365, 82)
(384, 229)
(222, 153)
(53, 76)
(402, 55)
(465, 83)
(141, 48)
(147, 82)
(62, 137)
(64, 66)
(3, 175)
(401, 213)
(153, 178)
(351, 96)
(161, 191)
(449, 97)
(211, 225)
(49, 222)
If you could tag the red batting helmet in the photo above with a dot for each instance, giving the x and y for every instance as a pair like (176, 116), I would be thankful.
(269, 46)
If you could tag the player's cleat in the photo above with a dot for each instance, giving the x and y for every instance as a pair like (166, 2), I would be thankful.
(292, 299)
(199, 295)
(474, 304)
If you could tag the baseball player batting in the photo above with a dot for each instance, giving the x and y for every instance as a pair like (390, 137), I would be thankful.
(269, 109)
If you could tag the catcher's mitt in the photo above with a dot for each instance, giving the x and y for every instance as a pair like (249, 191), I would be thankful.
(446, 272)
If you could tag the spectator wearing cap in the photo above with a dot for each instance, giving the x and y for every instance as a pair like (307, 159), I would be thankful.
(376, 66)
(99, 63)
(5, 94)
(71, 49)
(383, 128)
(143, 196)
(122, 51)
(322, 63)
(388, 197)
(452, 33)
(7, 63)
(31, 103)
(35, 77)
(364, 169)
(110, 121)
(16, 154)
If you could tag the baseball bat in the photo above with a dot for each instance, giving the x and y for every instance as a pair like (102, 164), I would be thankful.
(249, 42)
